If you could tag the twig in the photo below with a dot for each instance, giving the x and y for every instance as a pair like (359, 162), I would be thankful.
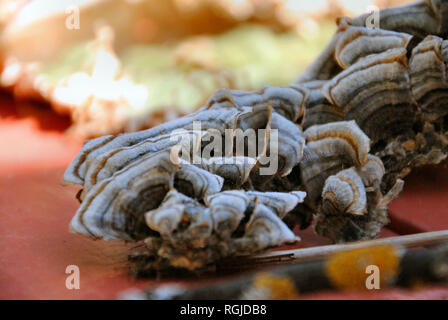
(321, 252)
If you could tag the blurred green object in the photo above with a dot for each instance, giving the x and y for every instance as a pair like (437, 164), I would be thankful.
(182, 75)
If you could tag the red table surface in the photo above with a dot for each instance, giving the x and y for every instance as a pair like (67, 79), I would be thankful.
(35, 208)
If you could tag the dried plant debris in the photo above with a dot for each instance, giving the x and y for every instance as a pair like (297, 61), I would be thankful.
(344, 143)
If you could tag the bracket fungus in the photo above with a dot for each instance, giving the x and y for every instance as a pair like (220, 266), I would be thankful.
(371, 107)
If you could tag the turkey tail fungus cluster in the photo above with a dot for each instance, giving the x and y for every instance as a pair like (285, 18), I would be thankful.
(370, 108)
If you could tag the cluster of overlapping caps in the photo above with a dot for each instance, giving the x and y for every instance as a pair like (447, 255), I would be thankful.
(372, 106)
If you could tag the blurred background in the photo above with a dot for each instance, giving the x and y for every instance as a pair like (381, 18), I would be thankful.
(124, 65)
